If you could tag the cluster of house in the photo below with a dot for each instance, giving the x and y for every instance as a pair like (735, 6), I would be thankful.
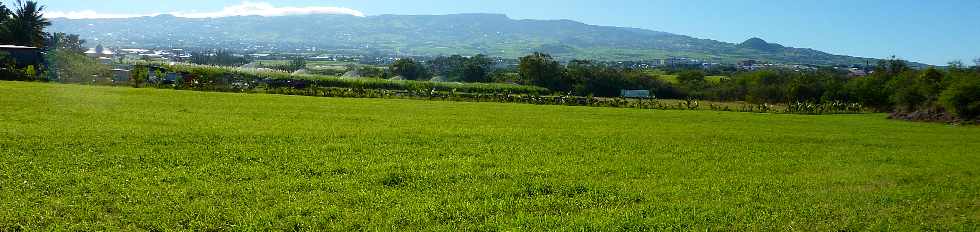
(105, 55)
(658, 63)
(858, 72)
(753, 65)
(121, 73)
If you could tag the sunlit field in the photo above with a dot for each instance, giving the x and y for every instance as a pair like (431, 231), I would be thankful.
(101, 158)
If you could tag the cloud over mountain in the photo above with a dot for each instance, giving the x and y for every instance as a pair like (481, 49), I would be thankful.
(243, 9)
(90, 14)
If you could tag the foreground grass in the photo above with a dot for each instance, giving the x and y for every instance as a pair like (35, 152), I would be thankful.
(102, 158)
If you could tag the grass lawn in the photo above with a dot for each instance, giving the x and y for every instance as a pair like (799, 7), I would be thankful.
(101, 158)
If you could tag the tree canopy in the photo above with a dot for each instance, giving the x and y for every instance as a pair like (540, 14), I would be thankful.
(410, 69)
(463, 69)
(24, 25)
(542, 70)
(66, 42)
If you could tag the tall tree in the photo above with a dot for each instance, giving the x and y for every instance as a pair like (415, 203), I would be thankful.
(892, 67)
(408, 69)
(542, 70)
(693, 82)
(69, 42)
(4, 13)
(459, 68)
(26, 26)
(4, 18)
(477, 69)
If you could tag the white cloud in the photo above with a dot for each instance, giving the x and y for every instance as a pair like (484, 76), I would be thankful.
(243, 9)
(266, 9)
(88, 14)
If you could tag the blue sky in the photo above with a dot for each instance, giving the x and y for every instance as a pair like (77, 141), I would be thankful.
(933, 32)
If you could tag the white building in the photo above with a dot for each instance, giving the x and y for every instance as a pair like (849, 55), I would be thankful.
(100, 52)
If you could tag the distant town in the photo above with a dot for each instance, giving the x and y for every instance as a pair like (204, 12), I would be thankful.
(107, 55)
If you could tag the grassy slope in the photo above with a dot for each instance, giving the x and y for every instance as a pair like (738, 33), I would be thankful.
(107, 158)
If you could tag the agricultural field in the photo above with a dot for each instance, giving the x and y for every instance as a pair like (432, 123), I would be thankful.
(92, 158)
(670, 78)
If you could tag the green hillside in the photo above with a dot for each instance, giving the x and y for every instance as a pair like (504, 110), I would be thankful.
(430, 35)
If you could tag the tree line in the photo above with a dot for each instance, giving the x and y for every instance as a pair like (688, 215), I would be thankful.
(219, 57)
(892, 86)
(456, 68)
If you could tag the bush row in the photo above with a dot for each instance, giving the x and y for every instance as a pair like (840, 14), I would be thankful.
(797, 108)
(212, 78)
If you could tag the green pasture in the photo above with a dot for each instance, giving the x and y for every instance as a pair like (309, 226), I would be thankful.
(90, 158)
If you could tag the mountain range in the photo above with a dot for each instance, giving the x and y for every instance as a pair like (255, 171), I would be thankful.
(431, 35)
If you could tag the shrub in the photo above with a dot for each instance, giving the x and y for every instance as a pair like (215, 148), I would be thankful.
(870, 91)
(963, 99)
(214, 78)
(908, 92)
(30, 73)
(138, 76)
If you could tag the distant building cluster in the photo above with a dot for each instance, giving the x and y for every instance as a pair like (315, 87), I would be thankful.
(107, 55)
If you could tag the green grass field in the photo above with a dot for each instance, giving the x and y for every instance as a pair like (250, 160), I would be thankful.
(673, 78)
(103, 158)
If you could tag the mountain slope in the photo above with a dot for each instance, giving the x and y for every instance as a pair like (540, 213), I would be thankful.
(490, 34)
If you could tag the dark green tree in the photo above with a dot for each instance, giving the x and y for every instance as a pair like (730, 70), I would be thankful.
(466, 69)
(542, 70)
(5, 15)
(767, 86)
(807, 87)
(477, 69)
(693, 77)
(907, 92)
(596, 79)
(955, 65)
(409, 69)
(892, 67)
(450, 67)
(138, 76)
(932, 82)
(963, 98)
(693, 83)
(297, 64)
(72, 67)
(68, 42)
(26, 25)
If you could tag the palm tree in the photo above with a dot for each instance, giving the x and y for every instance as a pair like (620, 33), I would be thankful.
(26, 27)
(4, 12)
(4, 18)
